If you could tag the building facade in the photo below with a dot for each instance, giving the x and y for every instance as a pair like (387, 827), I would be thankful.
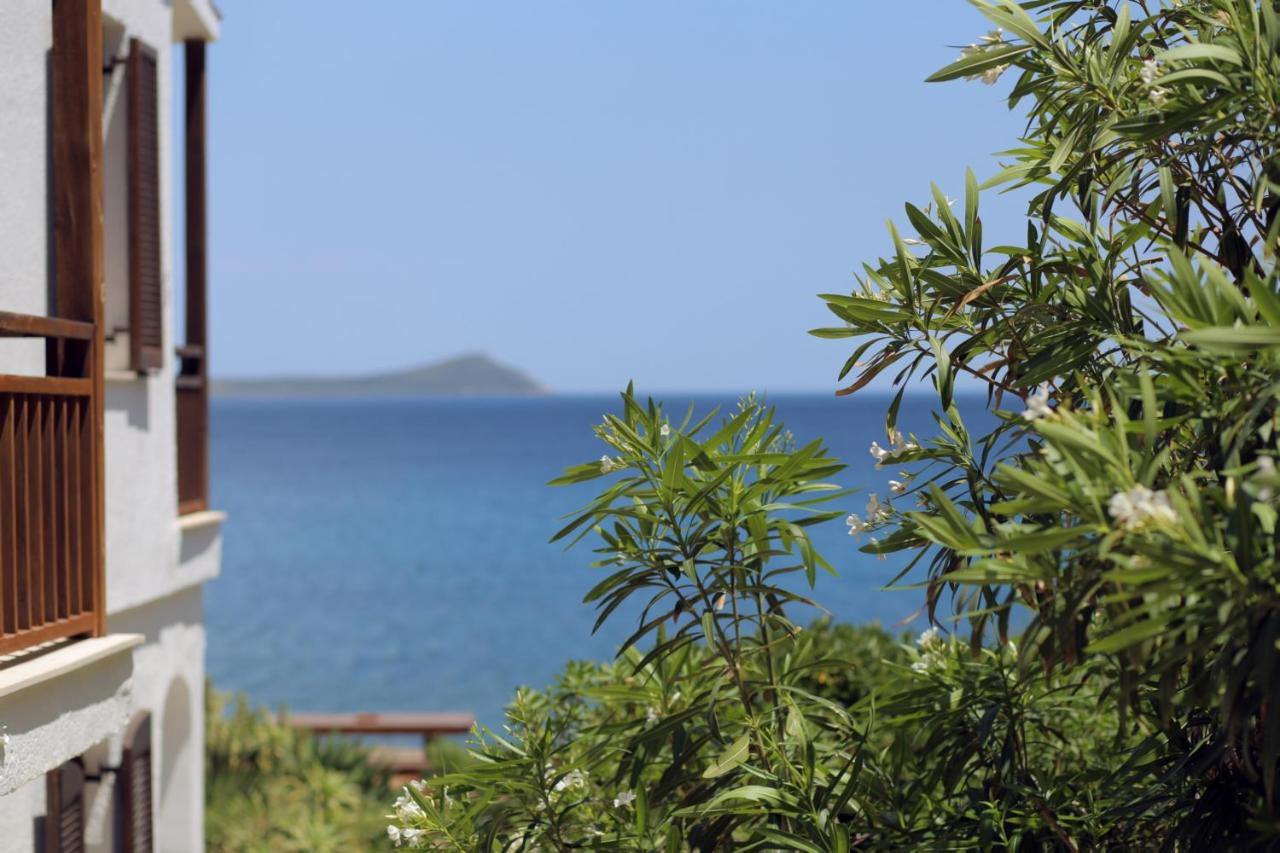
(106, 536)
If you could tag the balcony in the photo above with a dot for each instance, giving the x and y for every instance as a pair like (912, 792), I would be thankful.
(50, 533)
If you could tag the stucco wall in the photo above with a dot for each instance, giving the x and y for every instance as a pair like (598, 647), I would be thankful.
(56, 720)
(141, 458)
(25, 40)
(168, 681)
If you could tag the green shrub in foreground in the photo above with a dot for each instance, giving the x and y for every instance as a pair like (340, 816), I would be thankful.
(1123, 511)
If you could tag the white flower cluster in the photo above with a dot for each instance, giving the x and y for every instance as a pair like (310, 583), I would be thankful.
(1038, 404)
(931, 644)
(623, 800)
(897, 444)
(1140, 505)
(608, 464)
(992, 74)
(665, 431)
(877, 513)
(572, 779)
(407, 812)
(1150, 71)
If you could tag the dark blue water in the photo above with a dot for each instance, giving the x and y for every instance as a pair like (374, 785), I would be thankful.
(393, 555)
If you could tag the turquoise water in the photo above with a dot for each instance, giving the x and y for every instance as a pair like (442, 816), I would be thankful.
(393, 555)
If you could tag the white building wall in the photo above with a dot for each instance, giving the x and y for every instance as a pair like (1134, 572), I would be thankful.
(155, 562)
(26, 35)
(169, 683)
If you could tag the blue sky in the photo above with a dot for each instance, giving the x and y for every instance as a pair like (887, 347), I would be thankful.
(594, 192)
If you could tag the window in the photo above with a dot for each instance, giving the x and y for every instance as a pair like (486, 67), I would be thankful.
(135, 786)
(64, 811)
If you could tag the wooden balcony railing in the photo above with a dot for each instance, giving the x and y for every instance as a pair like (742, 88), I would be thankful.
(50, 572)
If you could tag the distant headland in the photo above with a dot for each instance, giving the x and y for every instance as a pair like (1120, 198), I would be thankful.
(471, 375)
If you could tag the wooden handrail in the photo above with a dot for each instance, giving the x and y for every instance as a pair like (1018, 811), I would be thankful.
(13, 325)
(56, 385)
(369, 723)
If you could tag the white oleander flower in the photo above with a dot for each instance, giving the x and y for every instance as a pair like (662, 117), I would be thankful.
(407, 809)
(1140, 505)
(992, 75)
(572, 779)
(878, 453)
(1038, 403)
(856, 525)
(1158, 96)
(393, 832)
(608, 464)
(413, 837)
(929, 638)
(899, 486)
(877, 511)
(901, 444)
(665, 431)
(1150, 70)
(623, 800)
(651, 716)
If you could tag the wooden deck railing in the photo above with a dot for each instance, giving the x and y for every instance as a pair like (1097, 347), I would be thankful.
(50, 573)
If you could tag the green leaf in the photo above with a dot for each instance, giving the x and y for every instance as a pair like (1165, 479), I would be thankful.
(735, 755)
(1199, 51)
(1234, 338)
(979, 62)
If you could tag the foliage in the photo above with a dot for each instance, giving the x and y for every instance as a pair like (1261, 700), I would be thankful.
(272, 787)
(1122, 523)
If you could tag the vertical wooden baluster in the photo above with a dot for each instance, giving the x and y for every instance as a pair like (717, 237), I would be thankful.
(88, 508)
(62, 499)
(39, 566)
(22, 507)
(8, 521)
(77, 519)
(52, 566)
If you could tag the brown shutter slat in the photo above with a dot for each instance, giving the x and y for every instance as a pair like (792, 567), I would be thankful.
(135, 786)
(64, 810)
(146, 330)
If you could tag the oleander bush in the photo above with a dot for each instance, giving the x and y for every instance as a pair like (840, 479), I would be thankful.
(1100, 566)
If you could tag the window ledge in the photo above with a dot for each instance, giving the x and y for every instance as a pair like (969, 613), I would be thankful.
(120, 376)
(198, 520)
(65, 658)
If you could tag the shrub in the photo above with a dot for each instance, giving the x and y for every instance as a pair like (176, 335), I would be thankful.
(269, 786)
(1120, 518)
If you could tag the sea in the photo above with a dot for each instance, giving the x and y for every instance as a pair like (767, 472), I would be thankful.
(394, 555)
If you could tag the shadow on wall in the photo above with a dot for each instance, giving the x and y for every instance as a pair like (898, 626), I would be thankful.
(132, 399)
(176, 756)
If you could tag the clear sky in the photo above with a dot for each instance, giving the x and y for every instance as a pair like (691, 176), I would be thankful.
(592, 191)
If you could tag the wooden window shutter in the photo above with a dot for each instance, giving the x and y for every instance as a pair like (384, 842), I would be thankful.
(146, 328)
(64, 811)
(135, 786)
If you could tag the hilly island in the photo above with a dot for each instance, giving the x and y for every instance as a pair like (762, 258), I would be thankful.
(472, 375)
